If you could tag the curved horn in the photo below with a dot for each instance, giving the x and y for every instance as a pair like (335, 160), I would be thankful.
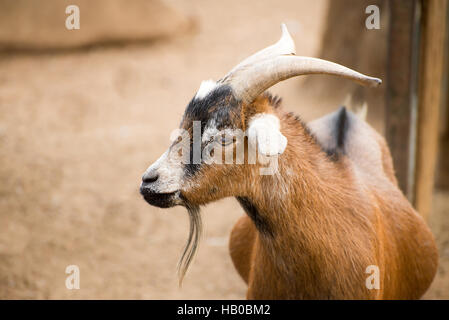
(252, 80)
(267, 67)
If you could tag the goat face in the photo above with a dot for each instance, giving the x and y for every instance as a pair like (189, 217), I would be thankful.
(213, 156)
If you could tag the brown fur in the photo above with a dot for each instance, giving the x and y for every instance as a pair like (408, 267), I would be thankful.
(330, 221)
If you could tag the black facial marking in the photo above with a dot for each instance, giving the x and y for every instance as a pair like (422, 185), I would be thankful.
(216, 104)
(161, 200)
(219, 105)
(191, 168)
(261, 224)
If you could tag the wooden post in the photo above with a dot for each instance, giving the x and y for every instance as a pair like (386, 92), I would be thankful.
(430, 84)
(401, 83)
(442, 178)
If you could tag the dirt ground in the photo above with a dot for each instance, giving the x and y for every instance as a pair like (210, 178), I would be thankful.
(77, 130)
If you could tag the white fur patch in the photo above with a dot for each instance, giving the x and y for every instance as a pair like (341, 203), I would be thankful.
(205, 87)
(170, 173)
(264, 131)
(210, 131)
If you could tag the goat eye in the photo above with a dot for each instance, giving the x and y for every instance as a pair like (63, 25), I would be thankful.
(225, 140)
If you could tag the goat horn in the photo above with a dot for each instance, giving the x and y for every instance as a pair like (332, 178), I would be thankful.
(260, 72)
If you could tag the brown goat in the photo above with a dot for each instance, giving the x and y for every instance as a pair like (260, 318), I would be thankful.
(330, 209)
(328, 219)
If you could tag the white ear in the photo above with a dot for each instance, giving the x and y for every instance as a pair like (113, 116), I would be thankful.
(263, 132)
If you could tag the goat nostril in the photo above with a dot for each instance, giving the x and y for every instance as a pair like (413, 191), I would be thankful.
(150, 178)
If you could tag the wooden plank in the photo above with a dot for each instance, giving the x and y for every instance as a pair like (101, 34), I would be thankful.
(401, 76)
(442, 178)
(430, 84)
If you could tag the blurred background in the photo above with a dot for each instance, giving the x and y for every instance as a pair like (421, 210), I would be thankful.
(84, 112)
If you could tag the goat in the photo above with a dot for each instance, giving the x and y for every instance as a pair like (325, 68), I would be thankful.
(330, 209)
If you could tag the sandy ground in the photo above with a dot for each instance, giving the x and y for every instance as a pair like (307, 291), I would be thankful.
(78, 130)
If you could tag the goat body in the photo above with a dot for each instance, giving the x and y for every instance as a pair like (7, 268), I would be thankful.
(327, 215)
(334, 209)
